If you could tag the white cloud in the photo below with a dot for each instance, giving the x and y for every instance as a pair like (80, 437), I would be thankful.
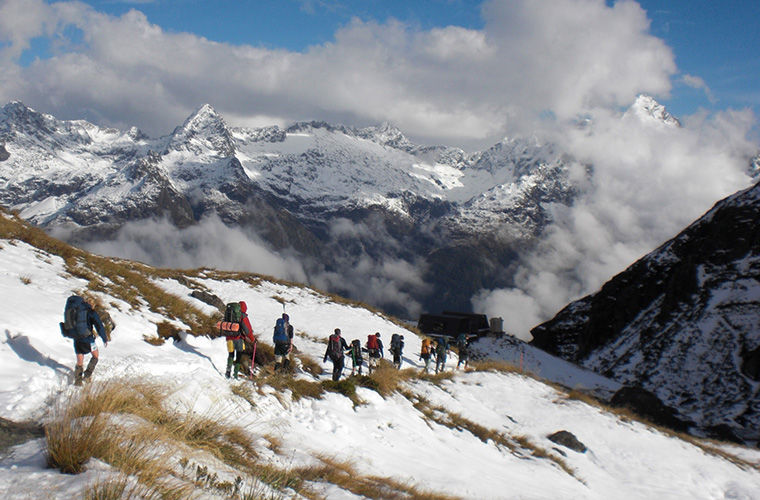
(449, 85)
(698, 83)
(207, 244)
(649, 182)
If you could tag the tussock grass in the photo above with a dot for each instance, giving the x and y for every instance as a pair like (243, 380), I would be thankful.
(386, 379)
(310, 365)
(298, 387)
(118, 488)
(345, 475)
(85, 426)
(346, 387)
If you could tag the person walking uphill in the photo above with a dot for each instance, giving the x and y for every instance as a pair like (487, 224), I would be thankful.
(397, 348)
(336, 347)
(441, 351)
(425, 351)
(235, 328)
(374, 350)
(283, 342)
(79, 318)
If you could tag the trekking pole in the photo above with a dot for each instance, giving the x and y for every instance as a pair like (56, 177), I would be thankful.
(253, 357)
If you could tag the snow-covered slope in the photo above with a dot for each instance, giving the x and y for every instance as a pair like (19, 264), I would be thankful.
(474, 435)
(682, 321)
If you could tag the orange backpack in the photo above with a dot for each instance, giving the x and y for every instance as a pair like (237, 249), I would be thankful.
(425, 346)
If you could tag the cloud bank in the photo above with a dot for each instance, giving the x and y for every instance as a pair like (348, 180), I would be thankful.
(207, 244)
(446, 85)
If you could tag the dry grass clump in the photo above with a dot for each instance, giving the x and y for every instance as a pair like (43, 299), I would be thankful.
(386, 379)
(310, 365)
(345, 475)
(125, 424)
(494, 366)
(298, 387)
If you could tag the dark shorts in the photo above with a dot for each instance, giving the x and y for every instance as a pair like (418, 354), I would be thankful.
(85, 346)
(281, 348)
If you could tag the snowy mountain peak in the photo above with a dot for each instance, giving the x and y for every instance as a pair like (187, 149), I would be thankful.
(205, 129)
(648, 109)
(386, 135)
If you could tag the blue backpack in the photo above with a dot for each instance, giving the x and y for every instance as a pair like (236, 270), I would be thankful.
(280, 332)
(75, 325)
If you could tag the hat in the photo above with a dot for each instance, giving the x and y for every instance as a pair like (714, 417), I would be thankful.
(337, 330)
(377, 333)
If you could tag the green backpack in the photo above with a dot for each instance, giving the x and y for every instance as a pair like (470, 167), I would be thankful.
(233, 313)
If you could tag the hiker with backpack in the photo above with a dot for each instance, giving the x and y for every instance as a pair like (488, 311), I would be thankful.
(374, 350)
(235, 328)
(441, 350)
(336, 347)
(245, 358)
(79, 318)
(397, 347)
(283, 342)
(425, 352)
(356, 356)
(463, 349)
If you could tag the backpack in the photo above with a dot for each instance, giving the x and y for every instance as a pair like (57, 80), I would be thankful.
(441, 348)
(425, 347)
(280, 332)
(233, 313)
(462, 340)
(395, 341)
(334, 349)
(372, 342)
(75, 314)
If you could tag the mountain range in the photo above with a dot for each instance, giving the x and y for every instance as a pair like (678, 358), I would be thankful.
(339, 198)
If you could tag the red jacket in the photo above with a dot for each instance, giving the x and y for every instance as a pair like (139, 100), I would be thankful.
(247, 330)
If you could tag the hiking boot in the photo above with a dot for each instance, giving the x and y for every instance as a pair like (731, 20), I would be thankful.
(90, 368)
(78, 375)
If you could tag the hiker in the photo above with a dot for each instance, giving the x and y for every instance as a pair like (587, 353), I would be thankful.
(463, 348)
(397, 347)
(374, 350)
(441, 350)
(356, 356)
(235, 328)
(336, 346)
(246, 355)
(425, 353)
(79, 319)
(283, 342)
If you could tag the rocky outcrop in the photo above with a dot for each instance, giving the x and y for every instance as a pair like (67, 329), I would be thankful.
(681, 322)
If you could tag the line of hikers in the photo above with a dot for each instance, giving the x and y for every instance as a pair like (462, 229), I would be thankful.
(80, 318)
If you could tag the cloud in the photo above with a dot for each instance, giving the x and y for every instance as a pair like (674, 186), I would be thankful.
(649, 181)
(446, 85)
(207, 244)
(698, 83)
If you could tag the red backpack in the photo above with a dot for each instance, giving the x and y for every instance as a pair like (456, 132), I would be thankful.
(372, 342)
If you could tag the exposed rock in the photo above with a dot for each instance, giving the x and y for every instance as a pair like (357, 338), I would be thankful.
(681, 322)
(208, 298)
(4, 154)
(13, 433)
(647, 405)
(568, 440)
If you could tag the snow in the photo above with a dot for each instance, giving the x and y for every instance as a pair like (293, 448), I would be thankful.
(384, 436)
